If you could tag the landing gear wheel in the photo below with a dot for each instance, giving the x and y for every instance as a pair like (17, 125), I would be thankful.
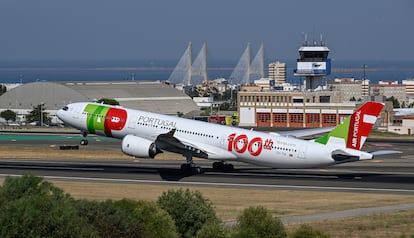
(229, 167)
(221, 166)
(191, 169)
(84, 142)
(196, 170)
(218, 165)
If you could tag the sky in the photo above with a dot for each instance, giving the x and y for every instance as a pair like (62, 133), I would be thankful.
(162, 29)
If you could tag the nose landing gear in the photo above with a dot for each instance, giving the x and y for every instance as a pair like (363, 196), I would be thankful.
(84, 141)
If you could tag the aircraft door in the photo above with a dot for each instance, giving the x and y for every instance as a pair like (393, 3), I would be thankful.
(77, 111)
(302, 151)
(221, 140)
(132, 123)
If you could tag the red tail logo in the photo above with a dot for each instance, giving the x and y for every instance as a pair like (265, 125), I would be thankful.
(361, 124)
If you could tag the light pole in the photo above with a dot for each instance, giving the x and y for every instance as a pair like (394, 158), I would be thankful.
(41, 114)
(364, 66)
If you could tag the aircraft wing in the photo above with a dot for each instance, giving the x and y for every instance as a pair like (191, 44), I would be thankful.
(170, 142)
(304, 132)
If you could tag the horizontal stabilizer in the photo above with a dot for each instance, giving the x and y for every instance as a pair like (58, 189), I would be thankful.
(384, 152)
(341, 156)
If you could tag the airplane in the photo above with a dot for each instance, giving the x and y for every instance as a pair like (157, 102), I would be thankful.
(403, 112)
(146, 134)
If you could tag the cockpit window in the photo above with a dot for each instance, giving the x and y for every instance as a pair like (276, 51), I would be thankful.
(65, 108)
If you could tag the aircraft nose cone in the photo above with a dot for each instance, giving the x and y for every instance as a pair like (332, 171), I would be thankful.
(59, 114)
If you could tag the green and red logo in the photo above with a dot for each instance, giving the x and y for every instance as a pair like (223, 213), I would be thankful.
(105, 119)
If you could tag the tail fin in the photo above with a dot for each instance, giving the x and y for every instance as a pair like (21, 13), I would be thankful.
(353, 132)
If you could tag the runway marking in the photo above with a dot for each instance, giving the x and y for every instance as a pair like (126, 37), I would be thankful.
(382, 144)
(50, 167)
(92, 179)
(276, 175)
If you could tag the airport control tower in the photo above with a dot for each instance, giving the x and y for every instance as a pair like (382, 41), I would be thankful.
(313, 64)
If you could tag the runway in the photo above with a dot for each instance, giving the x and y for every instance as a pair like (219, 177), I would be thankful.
(385, 174)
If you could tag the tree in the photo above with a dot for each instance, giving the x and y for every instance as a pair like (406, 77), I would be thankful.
(156, 221)
(8, 115)
(305, 231)
(212, 230)
(27, 186)
(190, 210)
(109, 101)
(31, 207)
(3, 89)
(259, 221)
(38, 114)
(192, 92)
(127, 218)
(108, 219)
(395, 102)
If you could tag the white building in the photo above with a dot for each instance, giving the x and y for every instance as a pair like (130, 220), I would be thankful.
(277, 72)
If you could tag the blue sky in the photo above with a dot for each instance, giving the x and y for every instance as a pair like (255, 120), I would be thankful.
(161, 29)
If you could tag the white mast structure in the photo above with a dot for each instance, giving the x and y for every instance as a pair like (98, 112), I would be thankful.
(257, 65)
(199, 67)
(182, 71)
(186, 71)
(247, 70)
(241, 72)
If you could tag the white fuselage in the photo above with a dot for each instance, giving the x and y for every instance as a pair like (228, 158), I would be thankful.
(221, 142)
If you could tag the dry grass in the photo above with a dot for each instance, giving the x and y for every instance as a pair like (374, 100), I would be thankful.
(13, 152)
(384, 225)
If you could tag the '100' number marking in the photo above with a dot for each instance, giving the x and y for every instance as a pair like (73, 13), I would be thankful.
(245, 144)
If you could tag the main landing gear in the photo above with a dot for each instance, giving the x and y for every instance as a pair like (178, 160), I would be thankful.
(189, 167)
(221, 166)
(84, 141)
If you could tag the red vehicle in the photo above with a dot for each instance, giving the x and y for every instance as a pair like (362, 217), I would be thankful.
(217, 119)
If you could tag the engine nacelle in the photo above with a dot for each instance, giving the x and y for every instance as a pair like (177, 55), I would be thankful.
(139, 147)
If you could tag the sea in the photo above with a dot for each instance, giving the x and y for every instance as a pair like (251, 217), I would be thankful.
(26, 71)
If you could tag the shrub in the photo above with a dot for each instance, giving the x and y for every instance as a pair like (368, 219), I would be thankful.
(190, 210)
(259, 221)
(31, 207)
(212, 230)
(306, 231)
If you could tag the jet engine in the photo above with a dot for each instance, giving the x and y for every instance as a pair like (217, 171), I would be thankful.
(139, 147)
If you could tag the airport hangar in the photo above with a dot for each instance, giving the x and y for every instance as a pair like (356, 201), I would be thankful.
(153, 96)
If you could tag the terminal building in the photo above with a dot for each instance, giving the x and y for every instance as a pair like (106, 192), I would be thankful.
(299, 109)
(292, 109)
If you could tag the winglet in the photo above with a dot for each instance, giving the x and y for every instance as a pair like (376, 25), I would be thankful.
(353, 132)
